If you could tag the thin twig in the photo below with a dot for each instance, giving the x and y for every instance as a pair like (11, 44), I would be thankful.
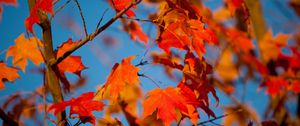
(82, 17)
(94, 34)
(143, 75)
(142, 63)
(219, 117)
(59, 9)
(98, 24)
(141, 20)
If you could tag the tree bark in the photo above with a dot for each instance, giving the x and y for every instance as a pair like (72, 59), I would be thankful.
(52, 81)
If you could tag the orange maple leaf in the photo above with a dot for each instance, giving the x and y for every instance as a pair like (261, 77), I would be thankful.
(239, 40)
(121, 4)
(82, 106)
(43, 5)
(71, 64)
(167, 102)
(137, 32)
(121, 75)
(226, 68)
(7, 73)
(186, 35)
(272, 43)
(25, 49)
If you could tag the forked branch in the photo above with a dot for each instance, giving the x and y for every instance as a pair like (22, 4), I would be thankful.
(91, 36)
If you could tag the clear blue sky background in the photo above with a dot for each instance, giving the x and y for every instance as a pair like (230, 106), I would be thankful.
(279, 18)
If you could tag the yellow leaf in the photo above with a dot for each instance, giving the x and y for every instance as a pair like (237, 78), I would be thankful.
(25, 49)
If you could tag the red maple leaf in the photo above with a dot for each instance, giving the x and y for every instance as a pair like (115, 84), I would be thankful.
(121, 4)
(72, 64)
(295, 86)
(82, 106)
(135, 31)
(43, 5)
(187, 35)
(275, 85)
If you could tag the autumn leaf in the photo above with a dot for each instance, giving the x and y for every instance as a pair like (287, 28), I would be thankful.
(226, 68)
(275, 44)
(71, 64)
(233, 5)
(25, 49)
(43, 5)
(83, 106)
(136, 32)
(195, 73)
(7, 2)
(122, 74)
(239, 40)
(121, 4)
(167, 102)
(295, 86)
(169, 62)
(185, 34)
(7, 73)
(275, 84)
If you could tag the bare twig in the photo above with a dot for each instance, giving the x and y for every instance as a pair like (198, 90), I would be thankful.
(143, 75)
(219, 117)
(59, 9)
(94, 34)
(82, 17)
(142, 63)
(141, 20)
(98, 24)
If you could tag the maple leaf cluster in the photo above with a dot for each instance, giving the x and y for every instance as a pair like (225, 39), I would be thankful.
(184, 25)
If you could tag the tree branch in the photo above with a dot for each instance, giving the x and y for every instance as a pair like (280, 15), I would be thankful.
(94, 34)
(7, 119)
(51, 78)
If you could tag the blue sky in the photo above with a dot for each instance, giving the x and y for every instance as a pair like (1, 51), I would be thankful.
(12, 25)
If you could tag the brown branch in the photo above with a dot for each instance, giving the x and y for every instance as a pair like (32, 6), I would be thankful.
(51, 78)
(7, 119)
(94, 34)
